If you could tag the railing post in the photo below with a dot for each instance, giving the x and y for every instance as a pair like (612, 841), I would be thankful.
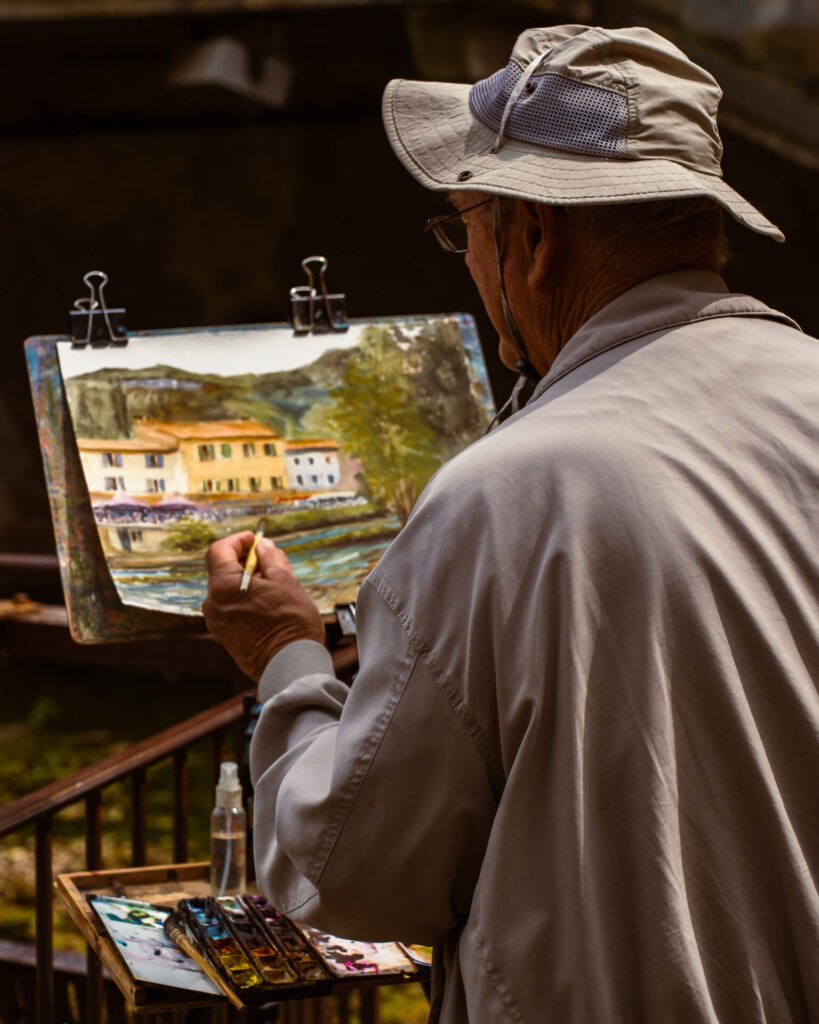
(180, 806)
(218, 752)
(369, 1006)
(93, 831)
(38, 809)
(93, 859)
(240, 740)
(45, 922)
(139, 845)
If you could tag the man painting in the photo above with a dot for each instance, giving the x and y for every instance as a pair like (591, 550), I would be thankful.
(578, 754)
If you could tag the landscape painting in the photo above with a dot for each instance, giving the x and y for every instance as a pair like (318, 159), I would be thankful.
(326, 441)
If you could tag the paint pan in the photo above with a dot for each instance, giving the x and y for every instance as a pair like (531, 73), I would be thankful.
(221, 947)
(255, 962)
(288, 938)
(264, 954)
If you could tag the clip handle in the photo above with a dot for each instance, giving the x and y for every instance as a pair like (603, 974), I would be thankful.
(324, 312)
(87, 309)
(98, 304)
(321, 264)
(322, 268)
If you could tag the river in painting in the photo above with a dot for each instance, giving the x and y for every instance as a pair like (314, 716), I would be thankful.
(329, 567)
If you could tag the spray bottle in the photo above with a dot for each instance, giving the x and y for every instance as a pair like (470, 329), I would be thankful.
(228, 835)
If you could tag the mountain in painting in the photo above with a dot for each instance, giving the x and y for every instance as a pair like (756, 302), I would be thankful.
(430, 363)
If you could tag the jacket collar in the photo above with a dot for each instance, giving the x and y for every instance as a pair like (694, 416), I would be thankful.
(659, 304)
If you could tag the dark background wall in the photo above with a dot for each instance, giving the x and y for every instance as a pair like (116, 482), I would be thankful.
(200, 202)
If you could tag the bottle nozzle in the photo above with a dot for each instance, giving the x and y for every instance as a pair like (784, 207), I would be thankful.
(228, 789)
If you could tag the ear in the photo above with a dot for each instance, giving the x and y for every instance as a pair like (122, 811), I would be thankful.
(540, 241)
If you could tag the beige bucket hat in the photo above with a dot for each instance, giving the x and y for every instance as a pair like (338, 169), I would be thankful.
(579, 116)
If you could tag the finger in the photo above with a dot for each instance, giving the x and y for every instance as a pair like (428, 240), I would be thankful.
(272, 559)
(228, 552)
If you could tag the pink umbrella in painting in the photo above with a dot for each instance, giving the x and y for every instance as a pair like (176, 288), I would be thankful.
(123, 508)
(176, 507)
(176, 501)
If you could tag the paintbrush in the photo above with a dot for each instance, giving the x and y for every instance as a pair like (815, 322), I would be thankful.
(176, 930)
(252, 557)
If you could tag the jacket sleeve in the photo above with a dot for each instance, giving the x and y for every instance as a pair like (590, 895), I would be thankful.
(372, 804)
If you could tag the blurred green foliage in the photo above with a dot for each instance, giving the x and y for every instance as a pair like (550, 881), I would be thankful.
(56, 721)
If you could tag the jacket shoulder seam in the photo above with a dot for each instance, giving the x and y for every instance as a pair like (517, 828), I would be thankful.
(359, 771)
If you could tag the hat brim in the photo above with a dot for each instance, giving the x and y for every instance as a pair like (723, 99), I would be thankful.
(444, 147)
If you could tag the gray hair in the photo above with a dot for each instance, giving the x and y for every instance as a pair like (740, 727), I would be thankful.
(662, 234)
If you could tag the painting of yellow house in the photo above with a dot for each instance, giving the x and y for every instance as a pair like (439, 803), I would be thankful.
(224, 456)
(200, 460)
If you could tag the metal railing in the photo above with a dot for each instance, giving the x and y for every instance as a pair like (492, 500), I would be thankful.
(38, 809)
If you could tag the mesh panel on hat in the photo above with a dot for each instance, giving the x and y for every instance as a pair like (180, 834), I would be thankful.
(557, 113)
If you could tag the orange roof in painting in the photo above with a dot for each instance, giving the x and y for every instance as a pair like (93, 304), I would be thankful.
(215, 430)
(129, 444)
(297, 446)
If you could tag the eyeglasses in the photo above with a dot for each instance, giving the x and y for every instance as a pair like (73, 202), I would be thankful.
(450, 229)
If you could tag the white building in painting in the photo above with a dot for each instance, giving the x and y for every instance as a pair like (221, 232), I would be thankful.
(149, 465)
(312, 465)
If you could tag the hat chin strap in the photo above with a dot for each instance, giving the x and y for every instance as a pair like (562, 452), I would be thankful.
(524, 365)
(527, 372)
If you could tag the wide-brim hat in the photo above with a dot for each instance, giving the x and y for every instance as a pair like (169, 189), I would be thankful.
(579, 116)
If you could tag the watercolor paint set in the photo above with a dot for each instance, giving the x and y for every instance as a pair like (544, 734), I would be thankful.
(257, 955)
(244, 948)
(169, 946)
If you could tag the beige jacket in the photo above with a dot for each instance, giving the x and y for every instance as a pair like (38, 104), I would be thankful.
(582, 752)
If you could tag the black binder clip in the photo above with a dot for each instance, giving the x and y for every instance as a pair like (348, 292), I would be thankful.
(91, 322)
(313, 310)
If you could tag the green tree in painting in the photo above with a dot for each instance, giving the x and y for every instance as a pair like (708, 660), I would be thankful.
(375, 415)
(190, 537)
(442, 387)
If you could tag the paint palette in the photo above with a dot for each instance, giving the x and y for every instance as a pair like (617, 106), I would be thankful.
(136, 930)
(347, 958)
